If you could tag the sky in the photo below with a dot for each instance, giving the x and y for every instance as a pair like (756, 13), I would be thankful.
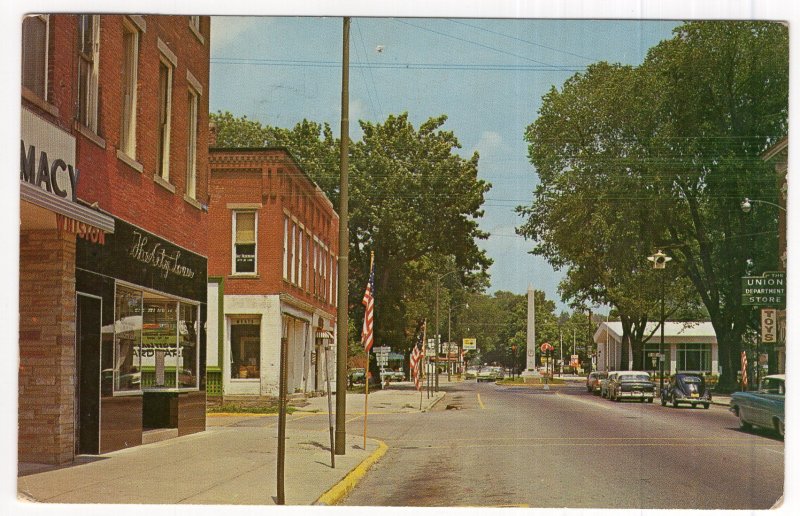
(487, 75)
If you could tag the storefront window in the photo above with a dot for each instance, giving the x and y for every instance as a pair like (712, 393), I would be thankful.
(245, 347)
(154, 348)
(694, 357)
(188, 358)
(127, 365)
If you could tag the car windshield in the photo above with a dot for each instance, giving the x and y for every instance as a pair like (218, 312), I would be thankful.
(634, 378)
(692, 380)
(772, 386)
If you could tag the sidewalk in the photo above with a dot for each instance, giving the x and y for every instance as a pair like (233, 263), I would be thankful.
(232, 462)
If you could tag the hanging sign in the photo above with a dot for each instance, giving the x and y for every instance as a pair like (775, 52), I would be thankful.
(768, 290)
(769, 334)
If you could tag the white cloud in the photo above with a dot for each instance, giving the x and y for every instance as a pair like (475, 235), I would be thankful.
(490, 142)
(228, 29)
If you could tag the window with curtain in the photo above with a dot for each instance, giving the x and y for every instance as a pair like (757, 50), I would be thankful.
(34, 54)
(244, 246)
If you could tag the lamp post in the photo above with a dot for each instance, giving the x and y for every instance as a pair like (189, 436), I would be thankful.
(660, 260)
(747, 204)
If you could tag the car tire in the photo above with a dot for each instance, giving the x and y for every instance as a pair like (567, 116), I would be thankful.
(674, 401)
(649, 400)
(744, 425)
(706, 405)
(663, 402)
(780, 428)
(694, 405)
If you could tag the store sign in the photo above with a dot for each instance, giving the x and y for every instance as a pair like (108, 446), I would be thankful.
(83, 230)
(768, 290)
(157, 256)
(139, 257)
(769, 319)
(47, 157)
(469, 344)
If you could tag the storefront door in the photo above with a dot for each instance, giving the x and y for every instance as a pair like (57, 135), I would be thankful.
(87, 364)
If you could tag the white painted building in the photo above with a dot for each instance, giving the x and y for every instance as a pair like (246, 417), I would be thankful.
(688, 346)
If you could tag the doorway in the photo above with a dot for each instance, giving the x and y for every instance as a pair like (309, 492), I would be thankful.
(87, 365)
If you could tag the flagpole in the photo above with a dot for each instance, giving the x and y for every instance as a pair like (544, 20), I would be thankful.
(424, 343)
(366, 376)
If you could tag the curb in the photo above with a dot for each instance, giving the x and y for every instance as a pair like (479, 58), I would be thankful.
(344, 486)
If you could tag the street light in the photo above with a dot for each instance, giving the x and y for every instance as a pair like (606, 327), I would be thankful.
(438, 339)
(747, 204)
(660, 260)
(449, 321)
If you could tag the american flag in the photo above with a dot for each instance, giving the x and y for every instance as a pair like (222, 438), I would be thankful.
(417, 354)
(744, 370)
(369, 303)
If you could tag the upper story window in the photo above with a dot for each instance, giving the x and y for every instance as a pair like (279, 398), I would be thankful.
(164, 117)
(88, 62)
(191, 146)
(244, 242)
(130, 72)
(35, 54)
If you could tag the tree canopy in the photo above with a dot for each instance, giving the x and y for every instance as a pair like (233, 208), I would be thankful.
(659, 156)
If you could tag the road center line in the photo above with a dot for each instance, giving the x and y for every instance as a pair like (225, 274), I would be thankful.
(480, 402)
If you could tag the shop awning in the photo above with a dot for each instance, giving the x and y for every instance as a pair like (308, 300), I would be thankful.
(324, 334)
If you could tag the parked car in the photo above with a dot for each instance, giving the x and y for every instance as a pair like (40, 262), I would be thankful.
(393, 376)
(594, 379)
(607, 382)
(632, 385)
(764, 407)
(487, 374)
(357, 375)
(686, 388)
(471, 373)
(499, 373)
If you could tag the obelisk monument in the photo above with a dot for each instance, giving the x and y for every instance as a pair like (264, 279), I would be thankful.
(530, 355)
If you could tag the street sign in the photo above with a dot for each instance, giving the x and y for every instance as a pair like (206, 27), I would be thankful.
(470, 344)
(546, 347)
(767, 290)
(382, 349)
(769, 334)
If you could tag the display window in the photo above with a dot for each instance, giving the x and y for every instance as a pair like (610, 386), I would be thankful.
(155, 343)
(245, 347)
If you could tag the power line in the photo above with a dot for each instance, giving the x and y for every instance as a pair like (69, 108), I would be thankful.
(243, 61)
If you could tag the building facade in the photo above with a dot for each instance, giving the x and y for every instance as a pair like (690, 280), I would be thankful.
(688, 347)
(113, 234)
(272, 274)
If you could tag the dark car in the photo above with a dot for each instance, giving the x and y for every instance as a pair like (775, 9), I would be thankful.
(593, 380)
(686, 388)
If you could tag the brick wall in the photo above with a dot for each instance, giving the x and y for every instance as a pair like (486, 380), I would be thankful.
(47, 347)
(269, 178)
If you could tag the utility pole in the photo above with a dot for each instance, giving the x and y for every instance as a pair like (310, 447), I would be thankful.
(344, 238)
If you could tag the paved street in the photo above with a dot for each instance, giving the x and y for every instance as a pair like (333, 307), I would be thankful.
(487, 445)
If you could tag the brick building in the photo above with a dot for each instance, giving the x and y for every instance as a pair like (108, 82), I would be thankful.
(113, 235)
(272, 273)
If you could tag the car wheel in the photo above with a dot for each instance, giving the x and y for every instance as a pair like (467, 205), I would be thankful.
(706, 405)
(779, 427)
(694, 405)
(663, 402)
(674, 401)
(649, 400)
(744, 425)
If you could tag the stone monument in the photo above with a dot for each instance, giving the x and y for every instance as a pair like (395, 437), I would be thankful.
(530, 355)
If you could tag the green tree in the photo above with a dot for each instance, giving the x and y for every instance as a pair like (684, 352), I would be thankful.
(416, 203)
(720, 95)
(659, 157)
